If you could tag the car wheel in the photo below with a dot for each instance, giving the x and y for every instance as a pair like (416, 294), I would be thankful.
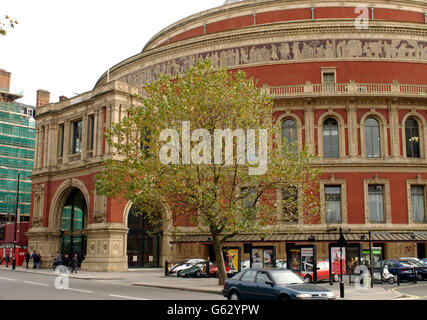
(234, 295)
(197, 274)
(420, 277)
(178, 274)
(390, 280)
(284, 297)
(336, 277)
(307, 279)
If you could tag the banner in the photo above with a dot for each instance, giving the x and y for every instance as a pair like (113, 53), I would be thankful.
(335, 260)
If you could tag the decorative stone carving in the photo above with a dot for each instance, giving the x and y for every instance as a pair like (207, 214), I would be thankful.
(282, 51)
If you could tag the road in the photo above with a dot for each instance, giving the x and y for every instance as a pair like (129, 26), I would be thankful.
(30, 286)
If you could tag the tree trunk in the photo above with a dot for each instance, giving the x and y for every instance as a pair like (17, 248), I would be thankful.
(222, 274)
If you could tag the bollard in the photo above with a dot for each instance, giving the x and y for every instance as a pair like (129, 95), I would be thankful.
(166, 268)
(208, 269)
(398, 278)
(414, 275)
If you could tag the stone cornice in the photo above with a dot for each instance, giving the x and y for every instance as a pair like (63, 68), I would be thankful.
(250, 7)
(302, 30)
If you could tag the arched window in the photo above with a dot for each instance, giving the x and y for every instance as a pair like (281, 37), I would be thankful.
(289, 131)
(372, 138)
(331, 147)
(412, 138)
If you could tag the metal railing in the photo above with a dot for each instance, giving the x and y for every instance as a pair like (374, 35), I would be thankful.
(351, 88)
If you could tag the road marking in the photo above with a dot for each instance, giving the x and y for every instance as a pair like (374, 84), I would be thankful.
(125, 297)
(7, 279)
(79, 290)
(38, 284)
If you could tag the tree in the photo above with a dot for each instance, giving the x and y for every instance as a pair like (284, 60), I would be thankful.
(225, 192)
(7, 21)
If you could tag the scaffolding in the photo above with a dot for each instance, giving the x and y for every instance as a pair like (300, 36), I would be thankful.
(17, 143)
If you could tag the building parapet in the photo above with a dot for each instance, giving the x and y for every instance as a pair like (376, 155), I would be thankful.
(352, 88)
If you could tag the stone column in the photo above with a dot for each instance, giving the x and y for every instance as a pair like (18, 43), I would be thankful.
(84, 136)
(352, 130)
(53, 145)
(309, 128)
(394, 131)
(106, 248)
(95, 134)
(108, 126)
(67, 135)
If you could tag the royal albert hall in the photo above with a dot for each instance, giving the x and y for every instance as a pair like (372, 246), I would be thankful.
(349, 83)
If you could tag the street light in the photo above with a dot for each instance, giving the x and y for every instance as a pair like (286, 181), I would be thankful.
(342, 243)
(16, 220)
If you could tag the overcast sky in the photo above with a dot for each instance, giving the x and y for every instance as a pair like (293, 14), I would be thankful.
(64, 46)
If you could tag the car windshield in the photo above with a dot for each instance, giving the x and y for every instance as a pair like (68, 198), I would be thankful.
(414, 262)
(286, 277)
(405, 264)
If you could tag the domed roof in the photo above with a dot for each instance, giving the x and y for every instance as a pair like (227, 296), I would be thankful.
(232, 1)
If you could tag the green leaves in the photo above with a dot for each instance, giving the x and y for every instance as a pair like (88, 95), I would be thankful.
(7, 21)
(209, 194)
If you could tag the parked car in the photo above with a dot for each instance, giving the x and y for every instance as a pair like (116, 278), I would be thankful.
(272, 284)
(213, 270)
(322, 272)
(197, 270)
(176, 269)
(421, 270)
(424, 261)
(281, 264)
(394, 268)
(245, 264)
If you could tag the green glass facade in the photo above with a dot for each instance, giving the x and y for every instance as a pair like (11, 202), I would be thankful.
(17, 142)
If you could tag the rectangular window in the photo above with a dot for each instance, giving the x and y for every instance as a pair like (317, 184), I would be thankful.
(418, 203)
(61, 140)
(77, 137)
(290, 205)
(90, 126)
(333, 204)
(328, 81)
(249, 196)
(376, 203)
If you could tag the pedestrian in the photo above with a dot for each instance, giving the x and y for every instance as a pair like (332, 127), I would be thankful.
(7, 260)
(27, 258)
(57, 261)
(39, 261)
(66, 261)
(34, 257)
(74, 263)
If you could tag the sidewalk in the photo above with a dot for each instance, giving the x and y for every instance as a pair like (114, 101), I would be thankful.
(156, 278)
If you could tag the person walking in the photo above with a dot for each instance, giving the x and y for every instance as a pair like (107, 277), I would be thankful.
(74, 263)
(34, 257)
(39, 261)
(57, 261)
(27, 258)
(66, 261)
(7, 260)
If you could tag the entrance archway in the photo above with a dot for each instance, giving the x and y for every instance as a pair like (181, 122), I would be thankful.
(143, 241)
(72, 224)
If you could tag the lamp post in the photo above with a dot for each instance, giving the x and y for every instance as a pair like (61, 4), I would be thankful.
(342, 243)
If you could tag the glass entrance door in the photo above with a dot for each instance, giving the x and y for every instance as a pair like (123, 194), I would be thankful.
(73, 216)
(143, 243)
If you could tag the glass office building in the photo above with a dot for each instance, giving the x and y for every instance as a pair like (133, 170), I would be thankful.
(17, 141)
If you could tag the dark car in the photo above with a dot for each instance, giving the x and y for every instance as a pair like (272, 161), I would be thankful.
(272, 284)
(421, 269)
(399, 267)
(194, 271)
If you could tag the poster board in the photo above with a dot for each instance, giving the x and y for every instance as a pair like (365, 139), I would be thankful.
(263, 257)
